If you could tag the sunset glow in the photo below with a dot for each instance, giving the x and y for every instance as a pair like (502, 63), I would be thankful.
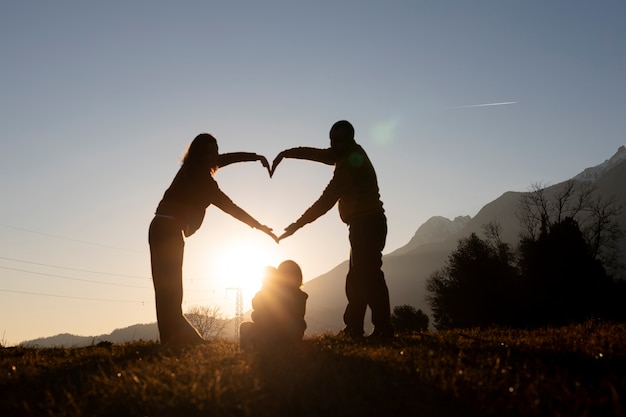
(240, 265)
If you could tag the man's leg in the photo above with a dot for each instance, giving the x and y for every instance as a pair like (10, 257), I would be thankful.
(365, 283)
(370, 247)
(354, 315)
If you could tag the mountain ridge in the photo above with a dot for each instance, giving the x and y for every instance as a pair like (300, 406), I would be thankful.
(136, 332)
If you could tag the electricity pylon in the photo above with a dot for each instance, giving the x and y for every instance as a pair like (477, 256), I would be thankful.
(238, 309)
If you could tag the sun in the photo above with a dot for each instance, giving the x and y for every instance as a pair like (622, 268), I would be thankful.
(241, 263)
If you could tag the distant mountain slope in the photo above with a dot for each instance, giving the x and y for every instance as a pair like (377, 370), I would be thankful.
(128, 334)
(407, 268)
(436, 229)
(597, 172)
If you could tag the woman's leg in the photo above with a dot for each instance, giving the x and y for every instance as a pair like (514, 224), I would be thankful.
(166, 254)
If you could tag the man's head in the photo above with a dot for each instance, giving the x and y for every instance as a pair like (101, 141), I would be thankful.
(341, 137)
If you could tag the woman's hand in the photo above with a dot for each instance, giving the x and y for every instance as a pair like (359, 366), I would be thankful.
(268, 231)
(265, 164)
(277, 160)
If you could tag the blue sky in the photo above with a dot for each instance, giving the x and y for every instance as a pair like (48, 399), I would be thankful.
(100, 100)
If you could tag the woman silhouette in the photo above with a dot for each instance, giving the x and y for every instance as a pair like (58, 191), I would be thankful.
(180, 213)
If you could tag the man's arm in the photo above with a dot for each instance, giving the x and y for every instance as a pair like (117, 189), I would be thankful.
(324, 156)
(326, 201)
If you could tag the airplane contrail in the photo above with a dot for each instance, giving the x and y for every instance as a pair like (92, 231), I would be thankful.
(485, 105)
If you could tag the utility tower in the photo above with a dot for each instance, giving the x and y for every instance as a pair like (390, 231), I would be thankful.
(238, 308)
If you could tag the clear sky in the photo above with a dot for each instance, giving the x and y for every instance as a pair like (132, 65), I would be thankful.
(100, 99)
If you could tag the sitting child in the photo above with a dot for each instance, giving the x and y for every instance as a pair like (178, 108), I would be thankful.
(278, 309)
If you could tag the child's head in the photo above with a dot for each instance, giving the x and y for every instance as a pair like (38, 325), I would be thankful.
(270, 275)
(291, 273)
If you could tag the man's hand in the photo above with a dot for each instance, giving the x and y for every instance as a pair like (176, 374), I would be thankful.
(289, 230)
(265, 164)
(277, 160)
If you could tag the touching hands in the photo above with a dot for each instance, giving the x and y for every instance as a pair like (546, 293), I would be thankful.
(268, 231)
(289, 230)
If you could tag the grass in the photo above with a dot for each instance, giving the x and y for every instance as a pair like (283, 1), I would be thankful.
(579, 370)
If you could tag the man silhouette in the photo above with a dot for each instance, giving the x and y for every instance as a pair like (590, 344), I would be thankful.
(355, 187)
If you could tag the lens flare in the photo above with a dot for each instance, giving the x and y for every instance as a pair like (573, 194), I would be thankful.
(383, 132)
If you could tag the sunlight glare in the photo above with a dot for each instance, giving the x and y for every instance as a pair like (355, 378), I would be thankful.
(241, 265)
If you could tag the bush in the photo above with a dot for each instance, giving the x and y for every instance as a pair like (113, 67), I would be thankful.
(406, 319)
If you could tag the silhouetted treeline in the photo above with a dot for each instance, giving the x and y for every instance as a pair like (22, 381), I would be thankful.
(556, 275)
(407, 319)
(552, 278)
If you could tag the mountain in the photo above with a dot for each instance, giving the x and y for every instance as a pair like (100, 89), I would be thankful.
(596, 172)
(436, 229)
(407, 268)
(128, 334)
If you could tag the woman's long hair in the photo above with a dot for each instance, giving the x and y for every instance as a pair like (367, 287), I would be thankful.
(202, 153)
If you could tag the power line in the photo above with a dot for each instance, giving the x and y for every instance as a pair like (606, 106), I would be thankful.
(85, 298)
(207, 292)
(77, 269)
(94, 281)
(73, 297)
(83, 270)
(191, 280)
(70, 239)
(74, 269)
(74, 279)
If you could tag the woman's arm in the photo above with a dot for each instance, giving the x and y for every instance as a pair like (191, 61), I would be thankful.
(225, 159)
(224, 203)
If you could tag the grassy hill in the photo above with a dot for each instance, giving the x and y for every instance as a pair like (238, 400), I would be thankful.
(571, 371)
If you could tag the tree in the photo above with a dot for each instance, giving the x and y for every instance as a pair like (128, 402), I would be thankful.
(558, 274)
(406, 318)
(543, 208)
(603, 233)
(563, 282)
(209, 321)
(476, 287)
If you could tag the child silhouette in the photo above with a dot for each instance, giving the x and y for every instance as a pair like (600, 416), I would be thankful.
(278, 310)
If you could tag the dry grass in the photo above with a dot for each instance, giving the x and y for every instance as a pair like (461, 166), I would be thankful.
(578, 370)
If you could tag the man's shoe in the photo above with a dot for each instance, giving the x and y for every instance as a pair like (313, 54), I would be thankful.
(352, 333)
(381, 334)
